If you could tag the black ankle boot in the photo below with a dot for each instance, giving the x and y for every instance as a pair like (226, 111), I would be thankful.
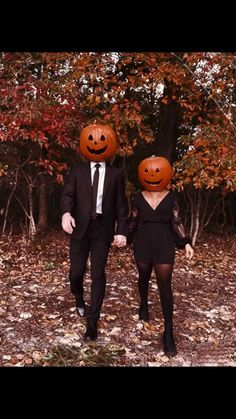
(169, 342)
(143, 312)
(91, 331)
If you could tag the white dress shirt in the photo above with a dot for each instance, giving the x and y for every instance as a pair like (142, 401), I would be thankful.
(102, 170)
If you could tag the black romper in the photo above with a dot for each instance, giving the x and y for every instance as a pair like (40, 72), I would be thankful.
(156, 231)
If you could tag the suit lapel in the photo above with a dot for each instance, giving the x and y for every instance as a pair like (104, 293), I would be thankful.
(107, 180)
(87, 180)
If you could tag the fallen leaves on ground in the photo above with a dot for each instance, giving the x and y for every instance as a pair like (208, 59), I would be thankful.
(39, 324)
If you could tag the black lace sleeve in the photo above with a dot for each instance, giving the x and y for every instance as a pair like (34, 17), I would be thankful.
(132, 221)
(178, 229)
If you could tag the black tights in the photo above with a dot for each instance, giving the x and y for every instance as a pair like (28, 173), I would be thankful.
(163, 274)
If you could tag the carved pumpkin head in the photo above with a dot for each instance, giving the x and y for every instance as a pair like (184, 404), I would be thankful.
(98, 142)
(154, 173)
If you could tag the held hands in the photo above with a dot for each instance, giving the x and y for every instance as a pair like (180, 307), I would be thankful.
(67, 223)
(189, 251)
(119, 241)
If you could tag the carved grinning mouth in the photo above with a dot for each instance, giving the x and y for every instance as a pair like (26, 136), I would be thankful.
(153, 183)
(100, 151)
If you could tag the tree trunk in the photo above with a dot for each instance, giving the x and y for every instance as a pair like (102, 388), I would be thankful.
(202, 204)
(168, 126)
(43, 216)
(32, 227)
(9, 200)
(197, 217)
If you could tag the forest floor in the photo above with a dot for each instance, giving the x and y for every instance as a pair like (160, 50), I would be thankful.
(39, 325)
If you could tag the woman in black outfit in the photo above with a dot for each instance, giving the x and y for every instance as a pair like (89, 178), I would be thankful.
(156, 228)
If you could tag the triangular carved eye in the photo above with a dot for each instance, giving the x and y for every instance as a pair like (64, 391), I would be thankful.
(90, 137)
(146, 170)
(157, 170)
(102, 137)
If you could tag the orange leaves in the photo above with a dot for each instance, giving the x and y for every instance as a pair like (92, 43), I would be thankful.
(111, 82)
(115, 108)
(53, 166)
(90, 98)
(61, 167)
(36, 104)
(223, 150)
(148, 137)
(200, 142)
(97, 100)
(185, 104)
(138, 119)
(187, 180)
(43, 97)
(185, 56)
(165, 100)
(210, 160)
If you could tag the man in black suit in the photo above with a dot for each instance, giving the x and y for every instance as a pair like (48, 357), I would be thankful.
(95, 211)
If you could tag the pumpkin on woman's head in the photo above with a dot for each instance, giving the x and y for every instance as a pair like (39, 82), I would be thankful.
(155, 173)
(98, 142)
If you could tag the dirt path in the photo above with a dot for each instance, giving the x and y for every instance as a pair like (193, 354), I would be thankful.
(39, 325)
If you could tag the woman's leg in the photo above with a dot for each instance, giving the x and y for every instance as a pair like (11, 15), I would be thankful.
(144, 270)
(164, 275)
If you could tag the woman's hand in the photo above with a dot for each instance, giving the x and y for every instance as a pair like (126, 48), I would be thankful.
(189, 251)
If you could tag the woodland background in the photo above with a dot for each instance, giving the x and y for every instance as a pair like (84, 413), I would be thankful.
(178, 105)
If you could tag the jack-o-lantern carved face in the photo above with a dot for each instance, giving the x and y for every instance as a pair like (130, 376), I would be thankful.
(98, 142)
(154, 173)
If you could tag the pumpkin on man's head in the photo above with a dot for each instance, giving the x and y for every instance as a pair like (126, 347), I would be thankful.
(155, 173)
(98, 142)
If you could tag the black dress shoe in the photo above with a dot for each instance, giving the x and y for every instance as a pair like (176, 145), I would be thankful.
(80, 308)
(143, 312)
(169, 343)
(91, 331)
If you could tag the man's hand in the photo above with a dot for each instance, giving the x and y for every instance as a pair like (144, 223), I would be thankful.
(119, 240)
(67, 223)
(189, 251)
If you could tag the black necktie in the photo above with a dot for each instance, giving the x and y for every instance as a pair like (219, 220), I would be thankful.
(95, 189)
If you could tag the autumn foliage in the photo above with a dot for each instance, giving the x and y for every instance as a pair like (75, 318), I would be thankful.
(210, 160)
(35, 108)
(179, 104)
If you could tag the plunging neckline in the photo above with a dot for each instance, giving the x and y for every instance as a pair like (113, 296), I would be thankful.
(154, 209)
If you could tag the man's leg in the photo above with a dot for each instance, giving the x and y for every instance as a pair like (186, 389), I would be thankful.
(79, 250)
(99, 255)
(99, 248)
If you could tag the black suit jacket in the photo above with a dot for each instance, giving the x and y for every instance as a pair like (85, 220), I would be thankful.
(77, 200)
